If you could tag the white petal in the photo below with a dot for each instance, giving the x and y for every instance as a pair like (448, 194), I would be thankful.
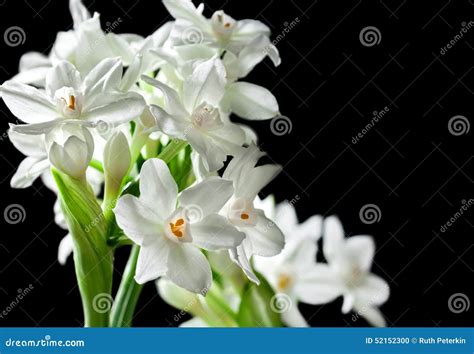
(371, 314)
(266, 238)
(27, 103)
(185, 9)
(122, 109)
(250, 101)
(104, 77)
(137, 221)
(210, 195)
(65, 249)
(215, 233)
(333, 238)
(213, 156)
(319, 285)
(79, 12)
(176, 296)
(372, 291)
(152, 260)
(194, 322)
(285, 216)
(173, 126)
(28, 171)
(360, 251)
(35, 128)
(240, 258)
(29, 145)
(158, 190)
(189, 268)
(258, 178)
(206, 84)
(293, 317)
(348, 302)
(311, 228)
(173, 103)
(132, 74)
(31, 60)
(63, 74)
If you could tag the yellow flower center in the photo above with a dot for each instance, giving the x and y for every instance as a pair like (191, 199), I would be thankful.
(177, 227)
(284, 281)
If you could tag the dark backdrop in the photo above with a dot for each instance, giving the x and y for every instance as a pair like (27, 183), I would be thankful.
(411, 166)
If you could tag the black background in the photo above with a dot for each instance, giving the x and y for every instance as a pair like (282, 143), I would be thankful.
(329, 84)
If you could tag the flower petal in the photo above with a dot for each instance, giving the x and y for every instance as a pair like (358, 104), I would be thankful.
(104, 77)
(215, 233)
(65, 249)
(158, 190)
(292, 317)
(250, 101)
(371, 314)
(360, 251)
(319, 285)
(28, 171)
(372, 291)
(240, 258)
(152, 260)
(333, 239)
(210, 195)
(137, 221)
(29, 145)
(266, 238)
(27, 103)
(189, 268)
(63, 74)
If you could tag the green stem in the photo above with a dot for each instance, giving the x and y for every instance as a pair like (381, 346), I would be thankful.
(172, 149)
(127, 295)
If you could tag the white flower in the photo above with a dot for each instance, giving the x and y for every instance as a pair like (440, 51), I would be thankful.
(171, 236)
(194, 115)
(70, 149)
(87, 44)
(69, 97)
(262, 236)
(348, 274)
(117, 157)
(245, 99)
(288, 271)
(220, 31)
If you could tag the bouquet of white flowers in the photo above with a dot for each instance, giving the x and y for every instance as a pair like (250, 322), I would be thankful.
(133, 133)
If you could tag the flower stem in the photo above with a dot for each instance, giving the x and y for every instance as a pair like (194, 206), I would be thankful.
(127, 295)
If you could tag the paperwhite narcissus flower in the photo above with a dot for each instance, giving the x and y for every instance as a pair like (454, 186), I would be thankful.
(89, 101)
(289, 271)
(116, 157)
(171, 229)
(70, 149)
(245, 99)
(194, 116)
(220, 31)
(87, 44)
(262, 236)
(348, 274)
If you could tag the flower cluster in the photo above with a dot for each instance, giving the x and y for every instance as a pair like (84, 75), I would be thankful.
(134, 136)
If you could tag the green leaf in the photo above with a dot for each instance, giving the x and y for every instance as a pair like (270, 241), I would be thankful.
(255, 307)
(93, 258)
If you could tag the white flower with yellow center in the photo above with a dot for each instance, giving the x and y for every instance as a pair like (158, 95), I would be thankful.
(262, 236)
(172, 229)
(68, 97)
